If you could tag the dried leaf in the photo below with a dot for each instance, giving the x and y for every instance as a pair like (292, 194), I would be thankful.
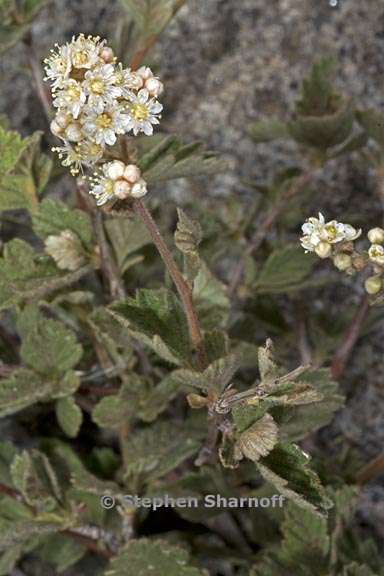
(259, 439)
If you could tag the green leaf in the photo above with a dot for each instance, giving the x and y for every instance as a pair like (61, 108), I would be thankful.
(373, 123)
(9, 559)
(188, 233)
(152, 16)
(214, 378)
(356, 569)
(23, 273)
(284, 270)
(268, 369)
(188, 236)
(323, 132)
(169, 158)
(7, 453)
(21, 185)
(15, 23)
(34, 477)
(137, 398)
(156, 318)
(268, 130)
(287, 468)
(11, 148)
(20, 390)
(69, 415)
(24, 388)
(146, 557)
(299, 421)
(210, 299)
(304, 550)
(81, 479)
(53, 217)
(127, 237)
(48, 346)
(20, 532)
(156, 450)
(317, 91)
(114, 410)
(60, 551)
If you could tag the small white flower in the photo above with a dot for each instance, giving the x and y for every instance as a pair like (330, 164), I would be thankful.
(128, 80)
(74, 156)
(102, 186)
(376, 254)
(103, 127)
(71, 98)
(58, 66)
(99, 86)
(85, 51)
(316, 230)
(143, 113)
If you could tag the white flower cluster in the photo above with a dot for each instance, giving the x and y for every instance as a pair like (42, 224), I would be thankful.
(97, 99)
(320, 236)
(119, 181)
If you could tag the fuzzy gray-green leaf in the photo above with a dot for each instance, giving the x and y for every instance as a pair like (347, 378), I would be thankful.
(69, 415)
(146, 557)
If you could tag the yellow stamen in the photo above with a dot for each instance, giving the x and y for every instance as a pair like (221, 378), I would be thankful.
(103, 121)
(96, 86)
(139, 111)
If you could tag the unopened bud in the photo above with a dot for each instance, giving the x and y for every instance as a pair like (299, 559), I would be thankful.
(116, 170)
(73, 132)
(154, 87)
(145, 72)
(122, 189)
(139, 189)
(376, 236)
(63, 119)
(323, 249)
(342, 261)
(56, 129)
(132, 173)
(373, 284)
(107, 55)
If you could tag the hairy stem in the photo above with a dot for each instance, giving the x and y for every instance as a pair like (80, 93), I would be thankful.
(182, 286)
(266, 224)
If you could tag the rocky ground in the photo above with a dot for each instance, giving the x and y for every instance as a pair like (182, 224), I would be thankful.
(226, 63)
